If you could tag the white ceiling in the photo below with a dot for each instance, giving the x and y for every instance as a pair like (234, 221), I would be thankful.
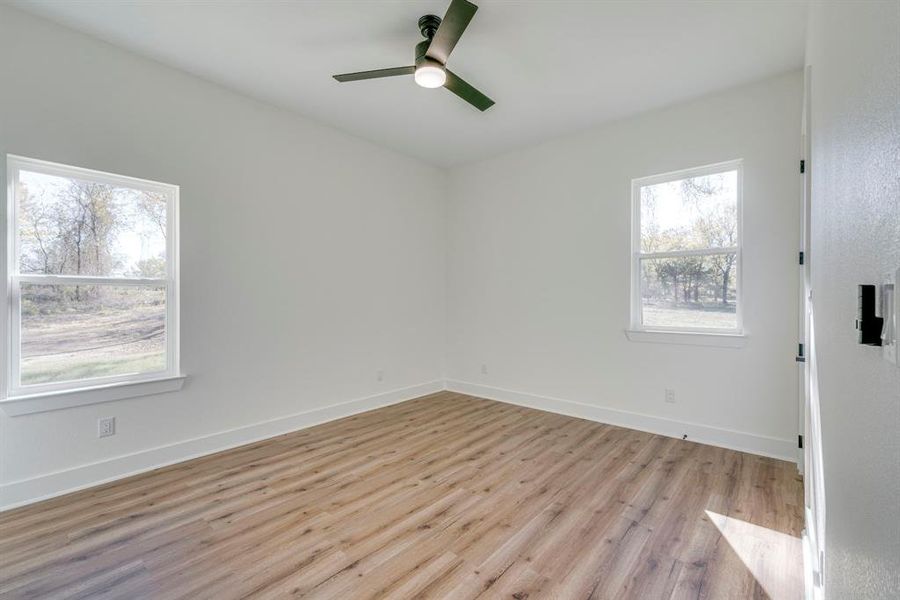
(552, 66)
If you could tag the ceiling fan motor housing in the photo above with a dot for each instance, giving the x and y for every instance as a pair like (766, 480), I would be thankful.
(428, 25)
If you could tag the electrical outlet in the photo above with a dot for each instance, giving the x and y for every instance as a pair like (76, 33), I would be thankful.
(670, 396)
(484, 369)
(380, 375)
(106, 426)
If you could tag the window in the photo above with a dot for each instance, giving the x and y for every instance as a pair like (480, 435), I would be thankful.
(686, 251)
(92, 279)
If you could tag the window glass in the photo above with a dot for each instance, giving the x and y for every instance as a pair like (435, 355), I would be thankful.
(72, 332)
(70, 226)
(690, 214)
(690, 291)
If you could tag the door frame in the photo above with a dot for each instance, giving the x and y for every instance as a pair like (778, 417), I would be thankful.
(809, 461)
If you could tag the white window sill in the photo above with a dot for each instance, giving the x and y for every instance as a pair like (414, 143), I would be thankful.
(721, 340)
(47, 401)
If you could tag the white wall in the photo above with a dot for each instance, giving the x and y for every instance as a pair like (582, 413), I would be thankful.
(854, 53)
(310, 259)
(538, 272)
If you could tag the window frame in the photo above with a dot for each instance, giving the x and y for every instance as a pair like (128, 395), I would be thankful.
(14, 390)
(637, 329)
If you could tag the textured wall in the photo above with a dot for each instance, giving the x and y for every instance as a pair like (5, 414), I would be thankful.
(854, 53)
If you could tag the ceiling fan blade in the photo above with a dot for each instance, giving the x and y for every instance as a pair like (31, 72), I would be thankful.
(450, 30)
(377, 73)
(467, 92)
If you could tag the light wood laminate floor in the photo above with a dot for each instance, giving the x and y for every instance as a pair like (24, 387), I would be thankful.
(445, 496)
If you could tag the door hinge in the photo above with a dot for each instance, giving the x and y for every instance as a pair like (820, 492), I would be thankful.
(801, 356)
(800, 441)
(803, 166)
(802, 257)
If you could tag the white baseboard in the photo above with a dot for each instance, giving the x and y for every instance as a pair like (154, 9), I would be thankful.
(42, 487)
(714, 436)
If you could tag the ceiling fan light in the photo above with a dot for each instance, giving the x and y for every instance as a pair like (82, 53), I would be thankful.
(430, 76)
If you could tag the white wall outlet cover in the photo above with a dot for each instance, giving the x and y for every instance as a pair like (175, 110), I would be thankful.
(106, 427)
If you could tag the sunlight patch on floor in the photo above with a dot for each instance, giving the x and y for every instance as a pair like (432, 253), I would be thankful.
(774, 558)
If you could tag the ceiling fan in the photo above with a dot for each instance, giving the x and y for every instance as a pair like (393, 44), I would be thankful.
(431, 70)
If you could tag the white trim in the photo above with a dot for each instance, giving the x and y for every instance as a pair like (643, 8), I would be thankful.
(680, 253)
(813, 586)
(695, 432)
(49, 485)
(47, 401)
(12, 297)
(812, 460)
(722, 340)
(635, 317)
(87, 280)
(677, 174)
(61, 170)
(689, 330)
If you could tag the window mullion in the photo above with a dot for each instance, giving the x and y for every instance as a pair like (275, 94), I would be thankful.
(683, 253)
(38, 279)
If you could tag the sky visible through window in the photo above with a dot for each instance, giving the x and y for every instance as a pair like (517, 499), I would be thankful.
(678, 215)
